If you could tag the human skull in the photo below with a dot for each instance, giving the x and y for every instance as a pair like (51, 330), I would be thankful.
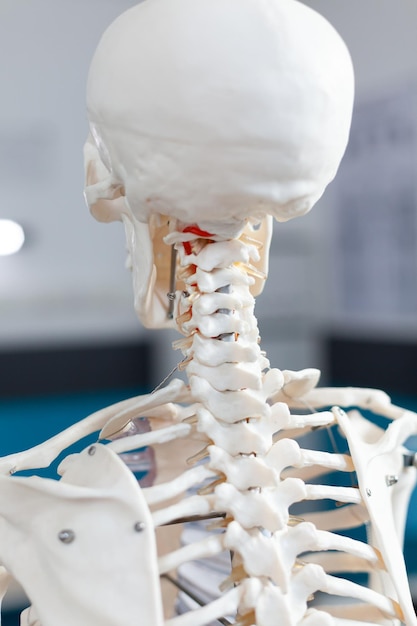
(220, 113)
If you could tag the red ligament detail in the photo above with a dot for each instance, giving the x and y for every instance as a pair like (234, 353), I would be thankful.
(187, 247)
(196, 230)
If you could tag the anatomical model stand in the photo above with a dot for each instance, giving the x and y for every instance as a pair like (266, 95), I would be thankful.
(209, 118)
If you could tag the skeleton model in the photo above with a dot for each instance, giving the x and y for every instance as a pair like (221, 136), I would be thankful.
(208, 118)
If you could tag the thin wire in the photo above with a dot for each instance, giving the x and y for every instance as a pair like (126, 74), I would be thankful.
(190, 594)
(172, 372)
(333, 443)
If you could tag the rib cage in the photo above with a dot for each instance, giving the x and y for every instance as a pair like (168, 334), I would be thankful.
(254, 470)
(251, 460)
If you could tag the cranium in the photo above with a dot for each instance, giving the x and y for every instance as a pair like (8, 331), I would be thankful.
(237, 114)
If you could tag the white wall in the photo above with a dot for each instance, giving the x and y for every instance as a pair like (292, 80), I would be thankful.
(380, 35)
(69, 282)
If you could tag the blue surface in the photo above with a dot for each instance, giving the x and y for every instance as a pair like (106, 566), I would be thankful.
(26, 422)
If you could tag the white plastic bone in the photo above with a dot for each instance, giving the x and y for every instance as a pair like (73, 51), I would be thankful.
(165, 491)
(374, 461)
(208, 118)
(373, 400)
(191, 506)
(274, 557)
(297, 384)
(268, 508)
(339, 519)
(212, 353)
(148, 439)
(293, 605)
(223, 377)
(233, 405)
(221, 254)
(208, 547)
(220, 277)
(250, 471)
(77, 553)
(244, 437)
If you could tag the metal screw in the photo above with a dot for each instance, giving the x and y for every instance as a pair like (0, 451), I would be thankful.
(66, 536)
(91, 450)
(368, 492)
(391, 479)
(139, 527)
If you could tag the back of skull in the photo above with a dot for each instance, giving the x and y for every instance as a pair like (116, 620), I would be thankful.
(212, 113)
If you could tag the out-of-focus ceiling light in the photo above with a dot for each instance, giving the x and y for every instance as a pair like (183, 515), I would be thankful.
(12, 237)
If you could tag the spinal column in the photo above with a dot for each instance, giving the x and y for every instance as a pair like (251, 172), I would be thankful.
(224, 362)
(247, 451)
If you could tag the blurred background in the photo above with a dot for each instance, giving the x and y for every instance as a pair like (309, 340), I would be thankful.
(342, 290)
